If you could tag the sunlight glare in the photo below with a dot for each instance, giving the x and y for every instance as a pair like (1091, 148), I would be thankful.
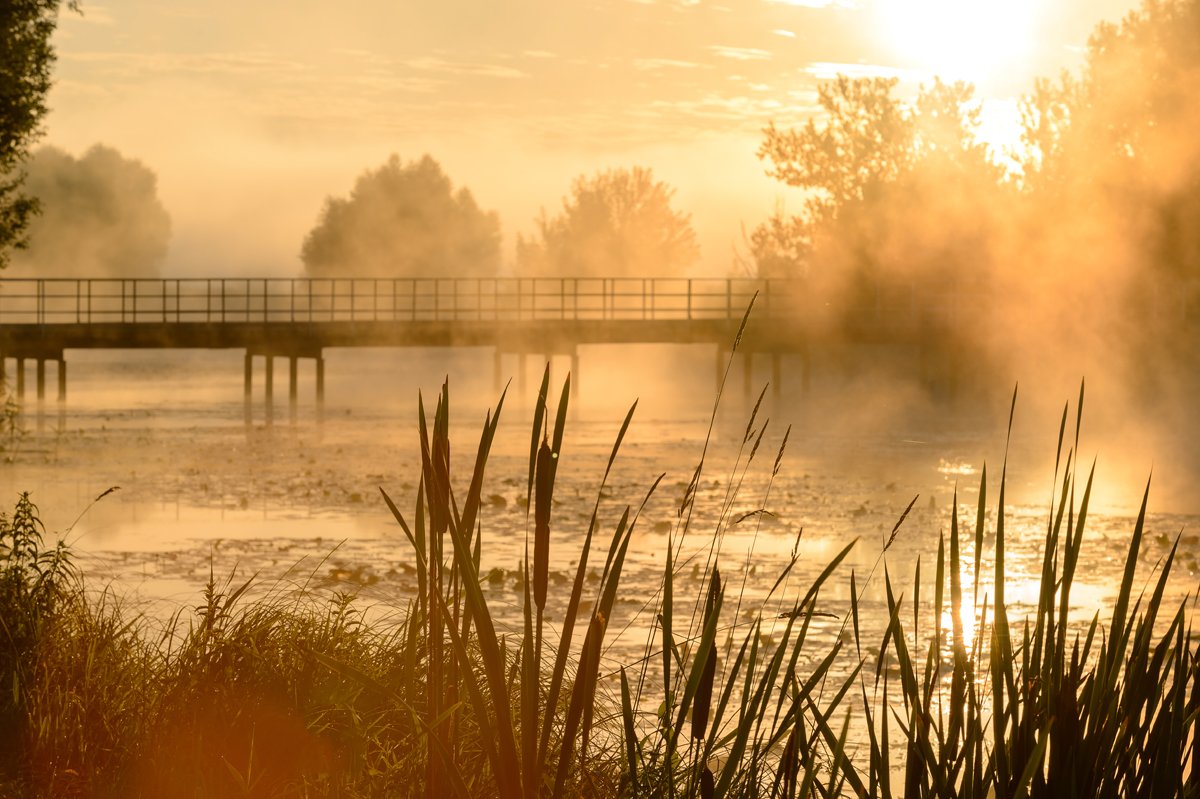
(968, 624)
(960, 39)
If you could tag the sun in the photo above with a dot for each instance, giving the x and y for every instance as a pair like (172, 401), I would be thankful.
(968, 40)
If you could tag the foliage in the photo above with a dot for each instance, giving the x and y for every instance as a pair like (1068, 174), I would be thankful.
(1118, 141)
(1111, 184)
(291, 694)
(403, 220)
(886, 181)
(616, 223)
(26, 59)
(33, 583)
(100, 217)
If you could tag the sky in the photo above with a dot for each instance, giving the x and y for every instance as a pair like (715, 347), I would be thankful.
(252, 112)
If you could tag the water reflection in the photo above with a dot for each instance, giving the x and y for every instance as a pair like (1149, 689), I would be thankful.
(300, 505)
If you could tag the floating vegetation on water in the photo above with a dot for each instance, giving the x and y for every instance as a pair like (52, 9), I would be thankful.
(294, 689)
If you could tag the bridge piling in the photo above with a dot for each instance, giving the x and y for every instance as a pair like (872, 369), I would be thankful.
(269, 383)
(575, 372)
(776, 376)
(21, 380)
(62, 394)
(292, 369)
(247, 396)
(497, 370)
(320, 359)
(41, 394)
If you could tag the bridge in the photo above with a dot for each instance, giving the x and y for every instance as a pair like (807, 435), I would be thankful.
(269, 318)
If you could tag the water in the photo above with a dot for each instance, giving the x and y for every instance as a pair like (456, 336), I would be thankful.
(201, 493)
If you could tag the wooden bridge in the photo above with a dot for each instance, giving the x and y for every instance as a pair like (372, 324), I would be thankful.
(40, 319)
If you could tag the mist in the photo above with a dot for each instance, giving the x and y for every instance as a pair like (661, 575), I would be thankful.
(1076, 257)
(100, 216)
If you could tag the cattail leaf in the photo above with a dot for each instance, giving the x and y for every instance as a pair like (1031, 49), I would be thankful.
(702, 702)
(544, 490)
(631, 740)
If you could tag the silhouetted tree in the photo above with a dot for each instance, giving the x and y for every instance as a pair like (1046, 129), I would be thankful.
(894, 190)
(900, 211)
(1121, 138)
(26, 58)
(100, 216)
(404, 220)
(1112, 180)
(616, 223)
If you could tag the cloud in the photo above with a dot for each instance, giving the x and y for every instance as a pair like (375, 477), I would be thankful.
(435, 64)
(141, 65)
(844, 4)
(649, 64)
(828, 70)
(92, 14)
(741, 53)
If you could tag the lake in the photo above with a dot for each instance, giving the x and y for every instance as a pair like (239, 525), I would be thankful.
(202, 493)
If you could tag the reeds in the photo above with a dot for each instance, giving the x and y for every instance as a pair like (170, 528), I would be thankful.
(290, 693)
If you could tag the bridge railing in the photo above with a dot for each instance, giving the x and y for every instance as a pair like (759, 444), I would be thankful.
(52, 301)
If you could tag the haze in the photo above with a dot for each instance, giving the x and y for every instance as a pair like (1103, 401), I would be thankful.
(251, 114)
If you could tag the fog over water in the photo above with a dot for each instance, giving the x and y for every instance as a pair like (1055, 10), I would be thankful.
(200, 491)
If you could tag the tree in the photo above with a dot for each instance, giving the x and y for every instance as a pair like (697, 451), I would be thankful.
(100, 216)
(894, 190)
(1112, 181)
(617, 223)
(1120, 140)
(404, 220)
(26, 58)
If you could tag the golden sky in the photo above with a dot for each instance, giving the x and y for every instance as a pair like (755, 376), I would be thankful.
(252, 111)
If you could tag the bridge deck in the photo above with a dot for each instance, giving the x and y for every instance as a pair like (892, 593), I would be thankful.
(41, 318)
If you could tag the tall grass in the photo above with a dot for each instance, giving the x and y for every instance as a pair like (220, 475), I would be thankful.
(279, 690)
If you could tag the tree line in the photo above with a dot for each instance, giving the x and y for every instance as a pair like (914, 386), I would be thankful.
(896, 191)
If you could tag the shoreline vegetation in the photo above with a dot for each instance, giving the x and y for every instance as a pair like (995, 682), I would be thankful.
(295, 692)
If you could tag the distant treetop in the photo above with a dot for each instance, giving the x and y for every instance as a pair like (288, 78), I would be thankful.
(100, 217)
(403, 220)
(615, 223)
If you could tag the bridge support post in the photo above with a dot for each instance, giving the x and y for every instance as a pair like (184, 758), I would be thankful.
(521, 358)
(247, 394)
(41, 394)
(776, 376)
(292, 389)
(497, 370)
(269, 382)
(4, 371)
(575, 372)
(20, 379)
(62, 394)
(320, 359)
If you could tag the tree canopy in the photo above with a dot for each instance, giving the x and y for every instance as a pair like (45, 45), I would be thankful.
(26, 60)
(887, 182)
(403, 220)
(615, 223)
(100, 216)
(1100, 211)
